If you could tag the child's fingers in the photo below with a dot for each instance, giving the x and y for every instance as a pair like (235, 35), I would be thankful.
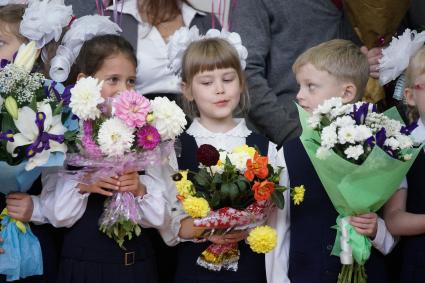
(130, 176)
(101, 191)
(16, 196)
(128, 183)
(13, 202)
(357, 219)
(366, 232)
(109, 186)
(110, 180)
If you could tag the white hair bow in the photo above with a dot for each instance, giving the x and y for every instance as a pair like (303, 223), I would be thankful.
(44, 20)
(184, 36)
(395, 58)
(83, 29)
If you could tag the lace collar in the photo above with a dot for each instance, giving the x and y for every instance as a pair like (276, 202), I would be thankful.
(198, 131)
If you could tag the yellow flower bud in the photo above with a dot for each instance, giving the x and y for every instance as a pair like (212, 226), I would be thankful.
(11, 107)
(27, 54)
(150, 118)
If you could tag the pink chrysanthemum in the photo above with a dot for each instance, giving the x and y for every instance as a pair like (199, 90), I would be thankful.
(148, 137)
(132, 108)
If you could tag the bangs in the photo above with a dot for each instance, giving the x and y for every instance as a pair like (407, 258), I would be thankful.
(208, 55)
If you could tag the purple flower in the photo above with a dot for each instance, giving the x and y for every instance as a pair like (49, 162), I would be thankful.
(381, 136)
(407, 130)
(359, 115)
(148, 137)
(7, 136)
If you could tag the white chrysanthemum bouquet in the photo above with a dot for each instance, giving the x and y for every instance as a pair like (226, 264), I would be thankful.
(121, 134)
(361, 157)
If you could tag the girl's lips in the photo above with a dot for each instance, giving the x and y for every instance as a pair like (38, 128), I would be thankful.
(221, 102)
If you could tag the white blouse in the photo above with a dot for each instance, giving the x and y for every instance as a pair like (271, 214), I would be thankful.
(153, 73)
(225, 141)
(61, 204)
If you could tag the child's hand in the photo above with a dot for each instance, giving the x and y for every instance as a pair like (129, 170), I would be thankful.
(19, 206)
(101, 187)
(230, 238)
(365, 224)
(373, 56)
(130, 182)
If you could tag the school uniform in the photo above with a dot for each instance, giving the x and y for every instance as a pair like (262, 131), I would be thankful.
(312, 237)
(413, 247)
(89, 255)
(251, 266)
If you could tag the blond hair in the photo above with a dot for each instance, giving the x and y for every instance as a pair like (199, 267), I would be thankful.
(10, 20)
(415, 69)
(208, 55)
(342, 59)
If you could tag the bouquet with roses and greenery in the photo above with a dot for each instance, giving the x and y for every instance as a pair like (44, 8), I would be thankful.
(232, 191)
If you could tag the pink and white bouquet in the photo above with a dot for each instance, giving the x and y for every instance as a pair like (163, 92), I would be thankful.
(117, 135)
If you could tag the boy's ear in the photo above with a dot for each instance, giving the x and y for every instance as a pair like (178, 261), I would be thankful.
(81, 76)
(408, 94)
(186, 91)
(350, 93)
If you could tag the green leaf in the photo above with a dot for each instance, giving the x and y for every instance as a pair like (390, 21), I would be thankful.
(278, 199)
(58, 109)
(33, 103)
(202, 178)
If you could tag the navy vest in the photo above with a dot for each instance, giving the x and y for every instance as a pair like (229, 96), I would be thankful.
(251, 265)
(413, 269)
(312, 237)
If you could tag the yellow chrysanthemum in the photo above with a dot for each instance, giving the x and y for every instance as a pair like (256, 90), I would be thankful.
(244, 148)
(298, 194)
(196, 207)
(185, 187)
(262, 239)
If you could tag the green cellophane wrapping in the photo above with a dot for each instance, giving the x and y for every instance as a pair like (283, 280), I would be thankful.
(356, 189)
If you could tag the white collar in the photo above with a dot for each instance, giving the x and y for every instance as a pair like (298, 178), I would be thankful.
(198, 131)
(130, 7)
(418, 134)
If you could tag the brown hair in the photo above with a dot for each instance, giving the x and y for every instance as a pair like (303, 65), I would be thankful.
(415, 69)
(208, 55)
(342, 59)
(159, 11)
(94, 52)
(10, 20)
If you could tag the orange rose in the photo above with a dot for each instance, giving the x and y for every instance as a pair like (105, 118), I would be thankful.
(263, 190)
(258, 167)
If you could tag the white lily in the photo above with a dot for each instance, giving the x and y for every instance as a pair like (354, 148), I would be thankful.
(27, 54)
(28, 133)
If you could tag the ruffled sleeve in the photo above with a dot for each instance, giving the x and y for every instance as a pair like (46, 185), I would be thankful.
(61, 202)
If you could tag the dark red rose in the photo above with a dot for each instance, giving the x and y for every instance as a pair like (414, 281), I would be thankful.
(207, 155)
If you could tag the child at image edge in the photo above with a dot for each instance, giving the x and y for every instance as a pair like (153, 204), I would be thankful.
(336, 68)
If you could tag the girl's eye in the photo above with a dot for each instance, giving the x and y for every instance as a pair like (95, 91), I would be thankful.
(2, 43)
(112, 80)
(131, 81)
(206, 82)
(311, 86)
(229, 79)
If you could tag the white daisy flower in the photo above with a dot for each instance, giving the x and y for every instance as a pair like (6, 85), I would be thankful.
(169, 118)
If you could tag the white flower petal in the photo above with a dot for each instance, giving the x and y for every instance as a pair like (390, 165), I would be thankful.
(19, 140)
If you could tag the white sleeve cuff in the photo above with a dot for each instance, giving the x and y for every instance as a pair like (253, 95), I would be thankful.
(384, 241)
(37, 216)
